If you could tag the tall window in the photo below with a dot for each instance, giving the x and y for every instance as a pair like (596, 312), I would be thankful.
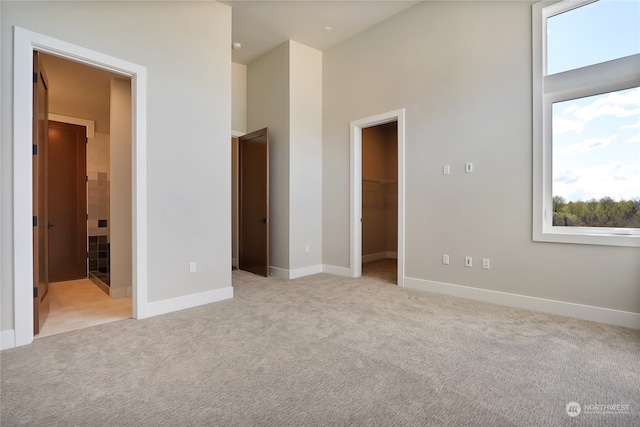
(586, 122)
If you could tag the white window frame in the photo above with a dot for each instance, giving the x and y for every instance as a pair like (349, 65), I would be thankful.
(614, 75)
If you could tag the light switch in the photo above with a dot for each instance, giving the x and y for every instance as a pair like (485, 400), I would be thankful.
(468, 167)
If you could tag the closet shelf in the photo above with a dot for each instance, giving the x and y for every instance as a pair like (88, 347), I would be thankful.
(380, 181)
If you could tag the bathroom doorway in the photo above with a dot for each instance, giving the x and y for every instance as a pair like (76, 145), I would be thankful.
(88, 140)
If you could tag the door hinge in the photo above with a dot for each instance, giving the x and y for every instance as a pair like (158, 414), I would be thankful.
(35, 149)
(87, 216)
(35, 77)
(86, 178)
(35, 221)
(35, 292)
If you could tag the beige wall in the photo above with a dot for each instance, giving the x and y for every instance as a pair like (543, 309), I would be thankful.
(463, 73)
(284, 92)
(239, 98)
(77, 90)
(234, 201)
(120, 194)
(305, 152)
(185, 49)
(268, 106)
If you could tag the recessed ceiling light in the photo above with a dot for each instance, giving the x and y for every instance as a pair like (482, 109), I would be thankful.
(328, 28)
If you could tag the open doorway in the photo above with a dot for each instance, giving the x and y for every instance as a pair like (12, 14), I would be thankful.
(86, 140)
(395, 121)
(250, 202)
(25, 42)
(380, 202)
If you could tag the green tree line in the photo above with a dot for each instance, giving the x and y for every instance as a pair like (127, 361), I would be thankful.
(605, 212)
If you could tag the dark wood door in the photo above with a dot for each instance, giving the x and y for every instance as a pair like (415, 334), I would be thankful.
(253, 189)
(39, 168)
(67, 202)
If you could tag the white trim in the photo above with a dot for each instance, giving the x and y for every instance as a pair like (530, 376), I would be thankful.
(609, 76)
(305, 271)
(561, 308)
(237, 134)
(188, 301)
(378, 256)
(25, 42)
(284, 273)
(7, 339)
(336, 271)
(89, 124)
(355, 241)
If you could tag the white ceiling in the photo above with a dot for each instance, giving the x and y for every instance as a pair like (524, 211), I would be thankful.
(262, 25)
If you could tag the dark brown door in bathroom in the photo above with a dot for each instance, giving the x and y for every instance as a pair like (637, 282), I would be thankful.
(67, 202)
(41, 296)
(253, 189)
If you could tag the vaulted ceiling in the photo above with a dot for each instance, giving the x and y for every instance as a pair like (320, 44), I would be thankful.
(259, 26)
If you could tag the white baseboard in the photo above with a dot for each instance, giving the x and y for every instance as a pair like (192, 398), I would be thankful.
(116, 293)
(188, 301)
(7, 339)
(305, 271)
(379, 256)
(336, 271)
(295, 273)
(579, 311)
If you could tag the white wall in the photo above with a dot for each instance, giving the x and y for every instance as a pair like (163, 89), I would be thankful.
(284, 93)
(462, 70)
(185, 48)
(239, 98)
(268, 106)
(305, 97)
(120, 192)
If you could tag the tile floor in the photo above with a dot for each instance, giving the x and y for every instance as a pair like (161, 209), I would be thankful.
(79, 304)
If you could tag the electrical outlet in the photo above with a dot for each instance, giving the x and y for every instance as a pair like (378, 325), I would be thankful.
(486, 264)
(468, 261)
(192, 267)
(445, 259)
(446, 170)
(468, 167)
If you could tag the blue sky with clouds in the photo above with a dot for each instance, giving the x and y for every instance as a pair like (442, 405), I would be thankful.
(596, 140)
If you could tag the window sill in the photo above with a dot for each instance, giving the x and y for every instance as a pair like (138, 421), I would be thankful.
(589, 236)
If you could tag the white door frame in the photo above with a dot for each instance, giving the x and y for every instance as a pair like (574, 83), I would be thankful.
(25, 42)
(356, 126)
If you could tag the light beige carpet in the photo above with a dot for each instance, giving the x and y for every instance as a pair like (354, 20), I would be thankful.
(327, 351)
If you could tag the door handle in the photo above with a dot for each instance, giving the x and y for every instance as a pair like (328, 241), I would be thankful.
(49, 225)
(264, 220)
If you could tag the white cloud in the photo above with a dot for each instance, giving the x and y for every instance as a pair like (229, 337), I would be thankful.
(561, 125)
(586, 145)
(616, 180)
(616, 104)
